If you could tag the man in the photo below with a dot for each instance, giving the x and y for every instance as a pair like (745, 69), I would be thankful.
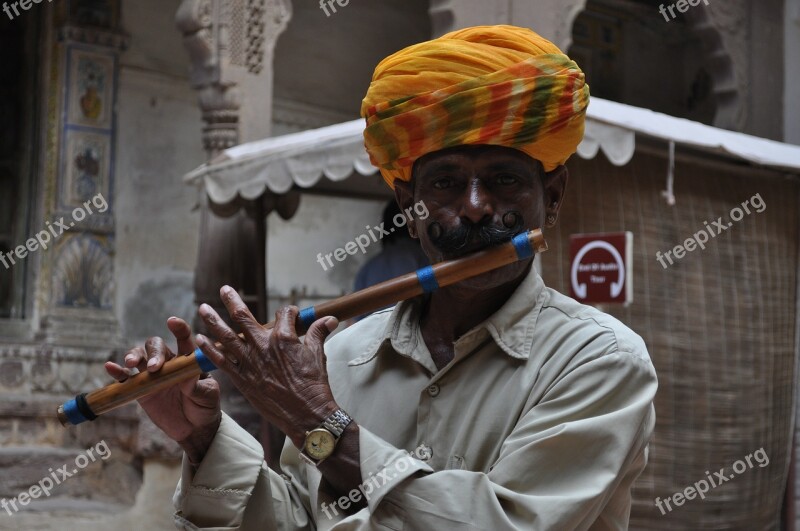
(523, 409)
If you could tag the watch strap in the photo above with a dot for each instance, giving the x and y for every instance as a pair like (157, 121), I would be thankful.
(337, 422)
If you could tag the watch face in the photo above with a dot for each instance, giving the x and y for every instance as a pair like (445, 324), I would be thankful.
(320, 443)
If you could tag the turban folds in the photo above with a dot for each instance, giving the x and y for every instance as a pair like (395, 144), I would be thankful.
(496, 85)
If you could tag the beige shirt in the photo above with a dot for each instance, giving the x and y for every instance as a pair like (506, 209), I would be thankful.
(541, 421)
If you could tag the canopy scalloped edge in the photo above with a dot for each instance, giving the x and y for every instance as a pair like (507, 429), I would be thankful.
(337, 151)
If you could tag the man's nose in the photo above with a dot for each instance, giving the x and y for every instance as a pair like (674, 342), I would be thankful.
(478, 203)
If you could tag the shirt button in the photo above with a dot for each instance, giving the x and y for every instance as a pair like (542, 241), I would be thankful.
(433, 390)
(423, 452)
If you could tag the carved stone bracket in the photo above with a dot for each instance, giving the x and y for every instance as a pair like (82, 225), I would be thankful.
(230, 42)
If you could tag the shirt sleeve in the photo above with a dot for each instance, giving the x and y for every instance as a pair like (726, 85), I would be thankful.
(570, 455)
(233, 488)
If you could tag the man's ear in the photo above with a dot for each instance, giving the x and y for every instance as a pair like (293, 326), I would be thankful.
(404, 195)
(555, 186)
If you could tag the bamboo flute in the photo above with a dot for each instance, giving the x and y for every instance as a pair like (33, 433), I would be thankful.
(88, 406)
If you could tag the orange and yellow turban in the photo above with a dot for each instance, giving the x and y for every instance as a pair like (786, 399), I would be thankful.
(497, 85)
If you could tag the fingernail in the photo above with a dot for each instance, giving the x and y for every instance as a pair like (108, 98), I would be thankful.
(204, 309)
(129, 359)
(331, 324)
(152, 362)
(226, 290)
(200, 339)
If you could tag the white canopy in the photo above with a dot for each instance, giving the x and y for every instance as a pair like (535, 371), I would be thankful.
(336, 151)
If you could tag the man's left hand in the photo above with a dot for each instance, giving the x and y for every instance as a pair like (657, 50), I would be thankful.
(284, 379)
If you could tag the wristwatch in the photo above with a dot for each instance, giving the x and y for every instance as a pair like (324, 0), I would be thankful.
(321, 442)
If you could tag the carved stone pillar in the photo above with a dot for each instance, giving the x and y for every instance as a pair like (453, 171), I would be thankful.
(78, 329)
(72, 328)
(76, 289)
(231, 44)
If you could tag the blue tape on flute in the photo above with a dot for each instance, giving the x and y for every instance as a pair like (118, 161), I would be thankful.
(308, 316)
(78, 411)
(523, 246)
(203, 362)
(427, 279)
(73, 413)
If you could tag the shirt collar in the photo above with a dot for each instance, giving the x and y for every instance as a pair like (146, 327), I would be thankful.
(511, 326)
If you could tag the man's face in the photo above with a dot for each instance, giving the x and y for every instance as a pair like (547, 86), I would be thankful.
(480, 196)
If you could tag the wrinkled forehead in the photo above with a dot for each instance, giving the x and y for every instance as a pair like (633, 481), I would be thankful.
(471, 156)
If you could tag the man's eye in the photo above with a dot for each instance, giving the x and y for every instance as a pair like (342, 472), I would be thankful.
(507, 179)
(442, 182)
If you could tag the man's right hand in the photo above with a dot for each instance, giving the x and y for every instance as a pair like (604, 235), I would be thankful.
(188, 412)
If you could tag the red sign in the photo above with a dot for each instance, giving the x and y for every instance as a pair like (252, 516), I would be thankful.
(600, 267)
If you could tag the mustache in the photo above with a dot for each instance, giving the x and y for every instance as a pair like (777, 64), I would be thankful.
(455, 240)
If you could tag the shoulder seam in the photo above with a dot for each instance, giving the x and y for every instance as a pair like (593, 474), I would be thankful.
(606, 328)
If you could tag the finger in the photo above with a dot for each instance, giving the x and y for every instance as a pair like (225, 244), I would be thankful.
(216, 356)
(220, 329)
(157, 353)
(118, 372)
(318, 331)
(183, 333)
(284, 331)
(240, 314)
(135, 357)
